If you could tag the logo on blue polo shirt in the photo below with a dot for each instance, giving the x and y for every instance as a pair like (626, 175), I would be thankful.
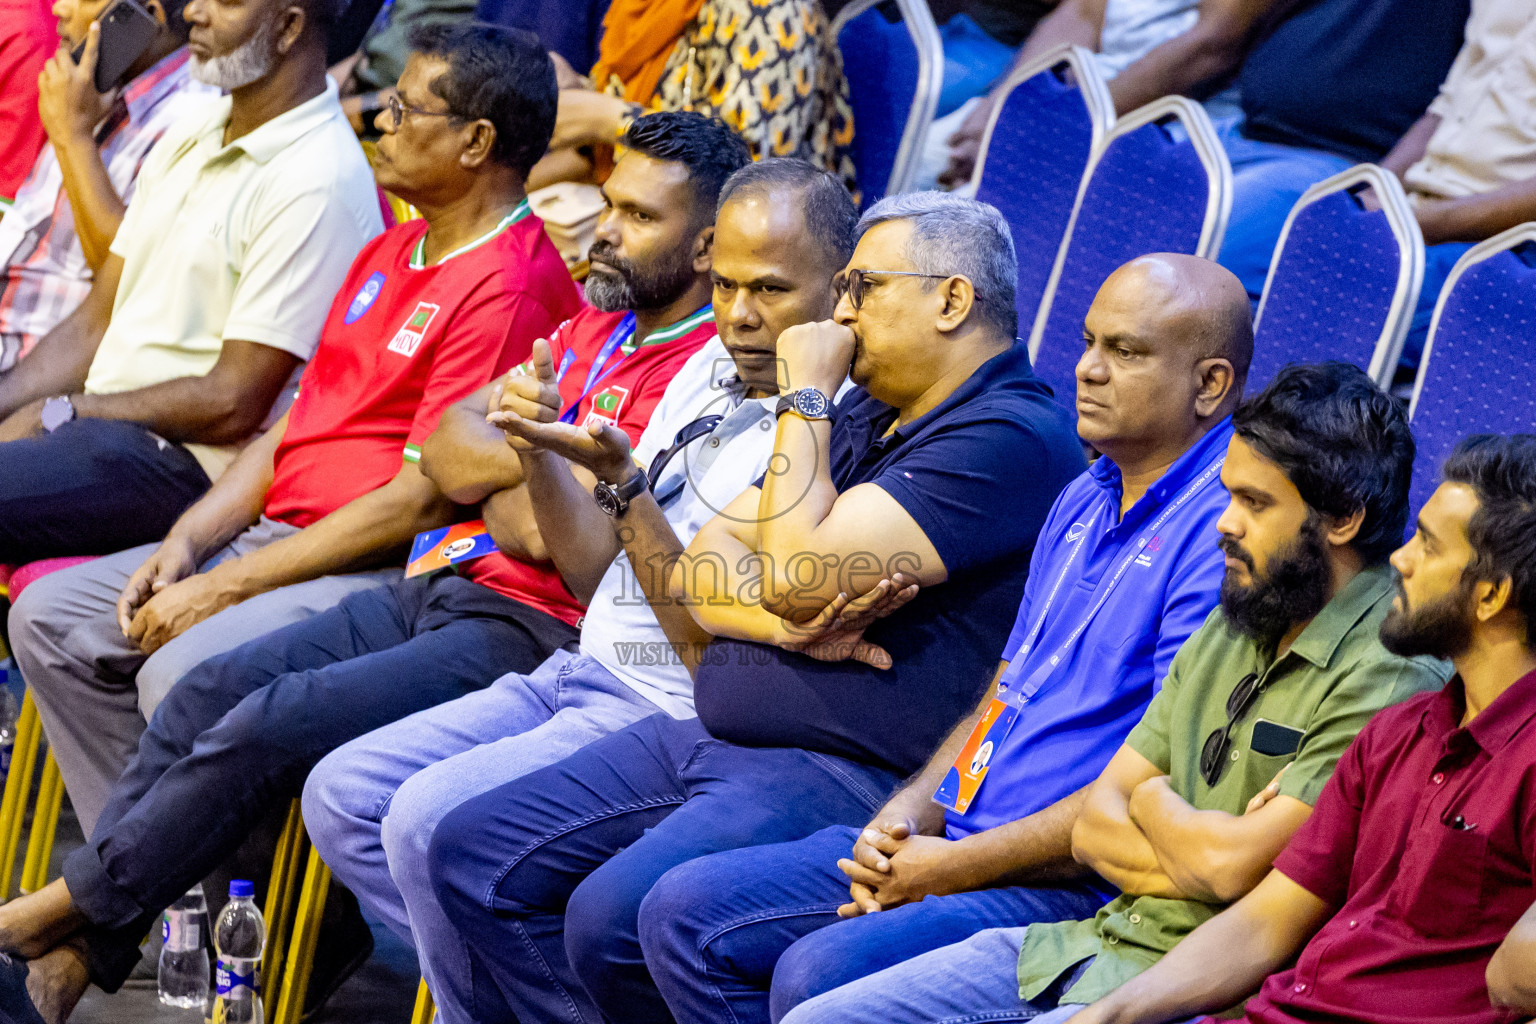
(363, 300)
(1145, 558)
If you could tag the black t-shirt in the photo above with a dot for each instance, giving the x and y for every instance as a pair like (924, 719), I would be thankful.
(979, 474)
(1349, 76)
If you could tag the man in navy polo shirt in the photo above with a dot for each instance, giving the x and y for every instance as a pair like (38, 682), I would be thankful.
(803, 721)
(1127, 567)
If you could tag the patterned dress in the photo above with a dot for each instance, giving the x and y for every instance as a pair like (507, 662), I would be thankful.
(771, 70)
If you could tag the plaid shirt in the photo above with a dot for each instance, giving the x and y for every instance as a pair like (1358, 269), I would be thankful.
(43, 273)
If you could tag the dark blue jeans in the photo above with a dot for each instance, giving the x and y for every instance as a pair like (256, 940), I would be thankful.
(716, 931)
(545, 875)
(92, 487)
(237, 735)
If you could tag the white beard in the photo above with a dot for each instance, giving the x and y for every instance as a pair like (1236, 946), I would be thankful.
(250, 61)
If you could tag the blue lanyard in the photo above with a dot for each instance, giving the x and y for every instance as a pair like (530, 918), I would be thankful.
(1018, 696)
(621, 334)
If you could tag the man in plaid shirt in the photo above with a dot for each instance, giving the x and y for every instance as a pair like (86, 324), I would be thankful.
(66, 212)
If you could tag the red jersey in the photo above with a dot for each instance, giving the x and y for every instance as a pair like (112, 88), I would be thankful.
(621, 388)
(401, 343)
(28, 37)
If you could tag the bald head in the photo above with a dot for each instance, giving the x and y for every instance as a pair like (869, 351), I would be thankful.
(1194, 302)
(1167, 344)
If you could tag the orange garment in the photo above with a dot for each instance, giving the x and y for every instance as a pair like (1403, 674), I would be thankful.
(638, 39)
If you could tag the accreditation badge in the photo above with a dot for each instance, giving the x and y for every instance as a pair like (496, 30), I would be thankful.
(448, 545)
(970, 769)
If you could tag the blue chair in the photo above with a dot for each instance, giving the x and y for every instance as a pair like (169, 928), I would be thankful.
(1159, 183)
(1044, 129)
(1475, 376)
(894, 71)
(1344, 279)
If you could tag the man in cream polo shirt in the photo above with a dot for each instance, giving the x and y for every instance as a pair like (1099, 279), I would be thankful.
(247, 215)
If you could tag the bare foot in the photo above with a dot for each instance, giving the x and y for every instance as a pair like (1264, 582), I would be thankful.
(56, 981)
(32, 925)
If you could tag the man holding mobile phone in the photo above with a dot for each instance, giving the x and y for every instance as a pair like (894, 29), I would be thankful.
(57, 234)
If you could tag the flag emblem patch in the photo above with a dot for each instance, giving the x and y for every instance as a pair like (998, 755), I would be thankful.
(607, 404)
(408, 338)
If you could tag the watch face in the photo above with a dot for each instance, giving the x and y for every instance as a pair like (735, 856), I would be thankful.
(608, 499)
(810, 402)
(56, 412)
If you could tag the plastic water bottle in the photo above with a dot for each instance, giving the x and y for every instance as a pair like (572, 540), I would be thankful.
(183, 957)
(239, 938)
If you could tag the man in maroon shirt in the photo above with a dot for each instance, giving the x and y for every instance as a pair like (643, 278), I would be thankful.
(1401, 898)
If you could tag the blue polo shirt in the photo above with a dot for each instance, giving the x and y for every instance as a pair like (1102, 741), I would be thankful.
(1067, 732)
(978, 473)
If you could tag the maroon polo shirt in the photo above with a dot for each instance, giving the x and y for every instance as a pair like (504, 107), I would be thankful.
(1424, 840)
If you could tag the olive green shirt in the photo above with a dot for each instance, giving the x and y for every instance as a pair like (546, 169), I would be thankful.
(1328, 685)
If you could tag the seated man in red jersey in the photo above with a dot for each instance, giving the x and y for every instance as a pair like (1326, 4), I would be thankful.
(323, 502)
(1406, 896)
(237, 734)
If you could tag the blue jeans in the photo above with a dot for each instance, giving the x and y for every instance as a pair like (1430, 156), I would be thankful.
(1267, 179)
(1439, 260)
(544, 876)
(964, 983)
(718, 930)
(372, 805)
(973, 60)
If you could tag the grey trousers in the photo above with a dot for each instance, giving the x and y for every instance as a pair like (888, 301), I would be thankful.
(95, 689)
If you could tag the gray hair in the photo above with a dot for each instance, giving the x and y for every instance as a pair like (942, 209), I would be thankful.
(830, 215)
(952, 235)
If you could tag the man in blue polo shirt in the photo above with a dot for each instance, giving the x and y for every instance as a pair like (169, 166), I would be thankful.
(904, 480)
(1126, 568)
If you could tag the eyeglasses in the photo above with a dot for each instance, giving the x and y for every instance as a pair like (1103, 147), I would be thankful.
(852, 281)
(1213, 756)
(398, 110)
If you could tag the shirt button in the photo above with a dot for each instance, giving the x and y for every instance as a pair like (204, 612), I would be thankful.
(1301, 988)
(1353, 923)
(1234, 755)
(1113, 940)
(714, 442)
(1135, 919)
(766, 424)
(1437, 778)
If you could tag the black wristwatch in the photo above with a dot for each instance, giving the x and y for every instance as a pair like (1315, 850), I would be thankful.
(614, 499)
(56, 412)
(810, 403)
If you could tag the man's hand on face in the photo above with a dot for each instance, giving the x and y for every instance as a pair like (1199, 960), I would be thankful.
(178, 608)
(815, 356)
(67, 100)
(836, 633)
(891, 865)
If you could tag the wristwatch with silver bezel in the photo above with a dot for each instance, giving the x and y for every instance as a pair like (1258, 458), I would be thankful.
(809, 403)
(614, 499)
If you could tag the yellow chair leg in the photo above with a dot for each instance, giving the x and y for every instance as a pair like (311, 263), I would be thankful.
(18, 786)
(282, 892)
(425, 1011)
(45, 821)
(306, 932)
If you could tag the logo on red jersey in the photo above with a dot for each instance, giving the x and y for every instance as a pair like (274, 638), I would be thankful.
(408, 338)
(606, 406)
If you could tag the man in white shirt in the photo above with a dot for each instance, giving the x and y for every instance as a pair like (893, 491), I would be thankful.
(245, 220)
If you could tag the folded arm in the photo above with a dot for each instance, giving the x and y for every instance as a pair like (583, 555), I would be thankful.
(1477, 217)
(1194, 61)
(1512, 971)
(1106, 838)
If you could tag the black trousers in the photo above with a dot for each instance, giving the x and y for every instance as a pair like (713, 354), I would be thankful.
(92, 487)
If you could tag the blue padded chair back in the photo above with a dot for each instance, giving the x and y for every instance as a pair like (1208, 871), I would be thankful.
(894, 71)
(1159, 183)
(1040, 139)
(1344, 279)
(1475, 377)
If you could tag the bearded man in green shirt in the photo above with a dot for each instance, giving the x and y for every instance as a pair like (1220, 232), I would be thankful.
(1252, 718)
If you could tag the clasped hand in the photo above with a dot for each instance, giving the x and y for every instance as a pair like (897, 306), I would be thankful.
(892, 865)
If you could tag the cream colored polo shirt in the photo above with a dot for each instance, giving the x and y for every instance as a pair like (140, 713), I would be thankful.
(1487, 107)
(248, 241)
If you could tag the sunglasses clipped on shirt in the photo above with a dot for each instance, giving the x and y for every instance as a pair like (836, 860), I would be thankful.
(690, 432)
(1213, 756)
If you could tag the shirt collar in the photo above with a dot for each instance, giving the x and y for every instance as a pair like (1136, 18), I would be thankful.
(1498, 723)
(675, 330)
(145, 92)
(282, 131)
(1185, 470)
(1012, 363)
(1322, 636)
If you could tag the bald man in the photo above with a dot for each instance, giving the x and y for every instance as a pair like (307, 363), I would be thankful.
(1124, 571)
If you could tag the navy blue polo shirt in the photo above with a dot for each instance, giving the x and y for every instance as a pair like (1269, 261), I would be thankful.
(978, 473)
(1349, 76)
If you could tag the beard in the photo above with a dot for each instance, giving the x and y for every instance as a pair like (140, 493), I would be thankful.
(615, 283)
(1294, 589)
(250, 61)
(1441, 629)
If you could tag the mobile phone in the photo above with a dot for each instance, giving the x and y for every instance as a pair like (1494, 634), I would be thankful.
(127, 29)
(1275, 740)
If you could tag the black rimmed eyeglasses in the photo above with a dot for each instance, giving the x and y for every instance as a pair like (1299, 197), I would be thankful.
(852, 281)
(1213, 756)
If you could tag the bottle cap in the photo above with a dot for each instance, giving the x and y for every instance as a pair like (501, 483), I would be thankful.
(239, 888)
